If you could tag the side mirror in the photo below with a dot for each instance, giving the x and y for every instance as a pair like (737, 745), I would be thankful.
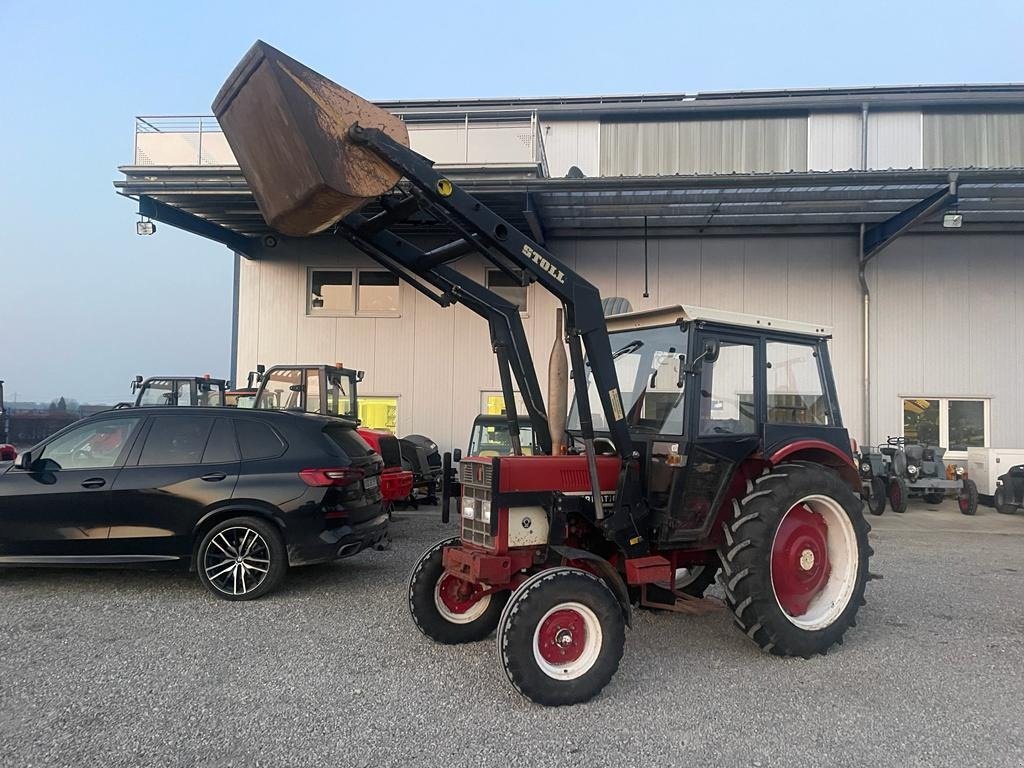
(24, 461)
(457, 455)
(710, 353)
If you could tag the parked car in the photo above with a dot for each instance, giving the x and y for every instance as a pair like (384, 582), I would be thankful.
(1009, 495)
(237, 496)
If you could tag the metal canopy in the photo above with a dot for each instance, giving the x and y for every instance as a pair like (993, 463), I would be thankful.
(618, 206)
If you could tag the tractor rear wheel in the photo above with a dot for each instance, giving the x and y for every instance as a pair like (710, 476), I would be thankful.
(876, 502)
(795, 559)
(898, 494)
(967, 499)
(445, 608)
(561, 637)
(694, 580)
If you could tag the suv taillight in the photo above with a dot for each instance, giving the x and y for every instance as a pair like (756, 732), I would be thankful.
(338, 477)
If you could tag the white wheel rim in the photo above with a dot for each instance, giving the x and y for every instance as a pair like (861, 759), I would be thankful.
(833, 598)
(593, 640)
(686, 576)
(471, 614)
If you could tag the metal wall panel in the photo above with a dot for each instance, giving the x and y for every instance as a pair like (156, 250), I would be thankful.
(742, 145)
(894, 140)
(833, 141)
(973, 140)
(946, 322)
(947, 319)
(572, 142)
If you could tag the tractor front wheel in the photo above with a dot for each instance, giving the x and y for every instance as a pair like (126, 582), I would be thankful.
(967, 499)
(795, 560)
(561, 637)
(898, 494)
(447, 609)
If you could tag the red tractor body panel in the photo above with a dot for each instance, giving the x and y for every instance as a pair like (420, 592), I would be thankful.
(565, 474)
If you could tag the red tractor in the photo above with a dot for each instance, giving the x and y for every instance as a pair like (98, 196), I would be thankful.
(330, 390)
(698, 439)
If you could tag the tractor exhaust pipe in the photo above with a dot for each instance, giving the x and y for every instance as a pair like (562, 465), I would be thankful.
(558, 389)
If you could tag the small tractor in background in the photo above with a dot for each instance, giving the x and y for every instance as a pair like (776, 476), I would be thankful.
(912, 470)
(698, 438)
(177, 390)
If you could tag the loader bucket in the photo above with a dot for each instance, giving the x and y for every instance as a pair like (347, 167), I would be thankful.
(288, 127)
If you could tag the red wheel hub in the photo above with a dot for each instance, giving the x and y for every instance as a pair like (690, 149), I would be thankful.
(562, 637)
(800, 564)
(457, 595)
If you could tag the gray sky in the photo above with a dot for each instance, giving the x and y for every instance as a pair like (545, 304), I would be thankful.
(86, 303)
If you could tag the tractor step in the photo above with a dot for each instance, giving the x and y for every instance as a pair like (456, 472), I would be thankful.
(647, 570)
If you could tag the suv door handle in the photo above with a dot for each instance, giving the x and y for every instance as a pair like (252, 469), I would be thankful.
(94, 482)
(213, 477)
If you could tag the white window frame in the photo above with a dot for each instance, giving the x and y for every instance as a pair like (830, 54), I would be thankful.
(356, 285)
(944, 419)
(523, 311)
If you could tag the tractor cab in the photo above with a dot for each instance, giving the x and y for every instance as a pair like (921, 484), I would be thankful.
(329, 390)
(178, 390)
(491, 436)
(707, 392)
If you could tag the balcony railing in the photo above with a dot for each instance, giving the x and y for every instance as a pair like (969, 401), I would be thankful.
(461, 140)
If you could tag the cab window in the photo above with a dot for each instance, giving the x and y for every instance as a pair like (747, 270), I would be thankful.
(796, 393)
(727, 391)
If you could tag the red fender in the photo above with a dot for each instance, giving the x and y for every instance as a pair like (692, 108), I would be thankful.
(820, 452)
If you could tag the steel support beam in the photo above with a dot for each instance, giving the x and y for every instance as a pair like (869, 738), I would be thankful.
(180, 219)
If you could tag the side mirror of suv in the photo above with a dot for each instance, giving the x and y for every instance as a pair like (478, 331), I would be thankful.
(24, 461)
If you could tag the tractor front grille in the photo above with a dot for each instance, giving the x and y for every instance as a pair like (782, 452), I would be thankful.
(476, 478)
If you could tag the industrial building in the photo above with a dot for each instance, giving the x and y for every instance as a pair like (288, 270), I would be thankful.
(893, 215)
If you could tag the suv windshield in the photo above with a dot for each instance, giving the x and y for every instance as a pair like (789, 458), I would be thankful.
(647, 363)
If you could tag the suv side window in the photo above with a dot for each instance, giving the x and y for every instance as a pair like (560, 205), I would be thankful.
(258, 440)
(222, 448)
(176, 440)
(796, 394)
(97, 445)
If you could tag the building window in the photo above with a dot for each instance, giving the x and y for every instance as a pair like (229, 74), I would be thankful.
(346, 292)
(379, 412)
(955, 424)
(508, 288)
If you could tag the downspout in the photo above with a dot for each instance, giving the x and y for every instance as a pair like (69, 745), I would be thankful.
(861, 265)
(866, 330)
(233, 367)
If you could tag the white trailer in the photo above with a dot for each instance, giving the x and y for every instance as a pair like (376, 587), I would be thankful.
(985, 465)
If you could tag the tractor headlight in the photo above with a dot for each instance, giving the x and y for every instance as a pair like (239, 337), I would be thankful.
(485, 510)
(960, 471)
(865, 468)
(468, 508)
(911, 470)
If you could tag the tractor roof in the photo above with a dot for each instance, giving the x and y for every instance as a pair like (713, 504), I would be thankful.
(680, 313)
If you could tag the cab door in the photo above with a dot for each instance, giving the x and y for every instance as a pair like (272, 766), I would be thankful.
(725, 407)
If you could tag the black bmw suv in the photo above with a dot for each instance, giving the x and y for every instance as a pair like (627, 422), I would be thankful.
(238, 496)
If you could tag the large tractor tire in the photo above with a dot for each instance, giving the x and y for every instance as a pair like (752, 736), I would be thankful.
(795, 560)
(561, 637)
(899, 494)
(876, 502)
(446, 609)
(967, 499)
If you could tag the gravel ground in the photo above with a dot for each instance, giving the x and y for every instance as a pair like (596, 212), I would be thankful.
(143, 668)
